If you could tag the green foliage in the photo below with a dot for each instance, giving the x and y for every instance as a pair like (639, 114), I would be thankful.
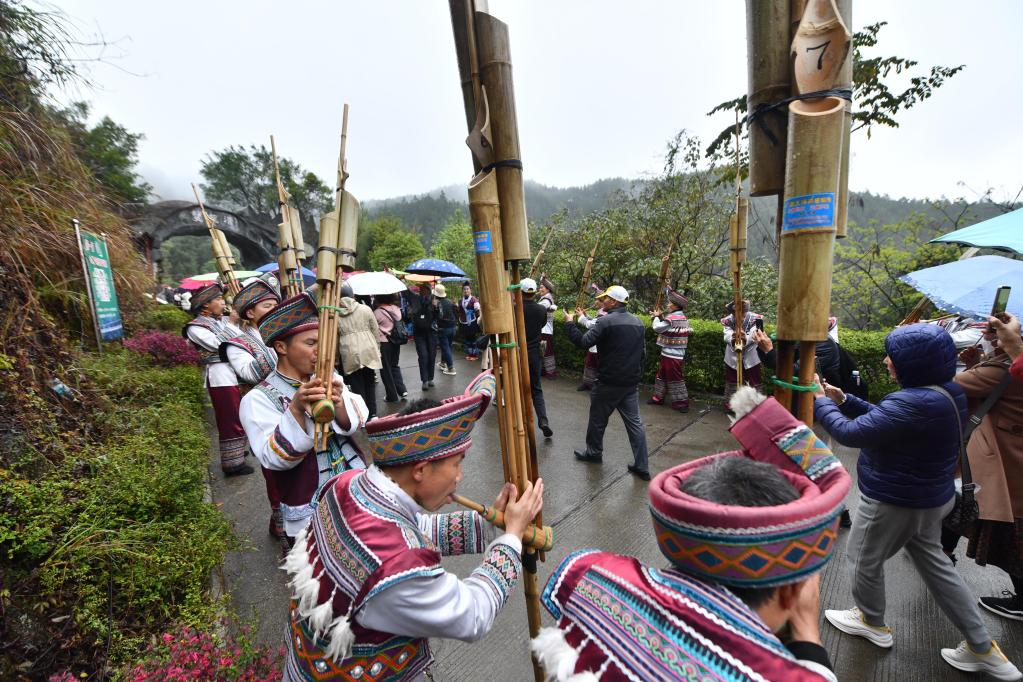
(454, 243)
(874, 102)
(426, 215)
(168, 318)
(109, 151)
(866, 292)
(686, 203)
(35, 52)
(244, 178)
(117, 535)
(391, 245)
(188, 255)
(705, 362)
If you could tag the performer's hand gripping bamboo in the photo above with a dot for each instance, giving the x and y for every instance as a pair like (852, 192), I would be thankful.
(515, 514)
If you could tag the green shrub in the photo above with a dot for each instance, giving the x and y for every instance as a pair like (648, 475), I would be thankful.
(168, 318)
(705, 356)
(118, 534)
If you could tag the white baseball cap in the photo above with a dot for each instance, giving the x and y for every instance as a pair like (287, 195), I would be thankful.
(616, 292)
(528, 285)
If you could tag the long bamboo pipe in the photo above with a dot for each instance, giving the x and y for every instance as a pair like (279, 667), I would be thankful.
(538, 537)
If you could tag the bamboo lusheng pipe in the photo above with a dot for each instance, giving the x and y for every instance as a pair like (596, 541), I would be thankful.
(463, 27)
(496, 75)
(221, 250)
(737, 240)
(288, 257)
(580, 299)
(537, 536)
(485, 216)
(807, 368)
(525, 392)
(327, 276)
(845, 82)
(808, 229)
(662, 280)
(535, 267)
(769, 80)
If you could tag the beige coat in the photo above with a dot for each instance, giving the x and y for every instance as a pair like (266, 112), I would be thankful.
(357, 344)
(996, 446)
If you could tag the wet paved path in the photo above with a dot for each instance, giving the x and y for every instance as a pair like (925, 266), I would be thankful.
(604, 506)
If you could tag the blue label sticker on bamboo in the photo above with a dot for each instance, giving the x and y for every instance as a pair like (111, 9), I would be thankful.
(481, 242)
(809, 212)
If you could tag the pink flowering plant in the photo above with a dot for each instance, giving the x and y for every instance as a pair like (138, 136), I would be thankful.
(190, 654)
(164, 348)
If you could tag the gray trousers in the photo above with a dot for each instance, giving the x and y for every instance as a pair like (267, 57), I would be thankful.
(606, 399)
(878, 532)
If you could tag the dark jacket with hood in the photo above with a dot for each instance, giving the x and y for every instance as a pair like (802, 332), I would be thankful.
(909, 442)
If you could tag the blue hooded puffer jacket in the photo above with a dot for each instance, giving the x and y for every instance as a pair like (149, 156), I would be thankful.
(909, 442)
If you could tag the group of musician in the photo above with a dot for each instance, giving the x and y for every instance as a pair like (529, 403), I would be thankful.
(745, 533)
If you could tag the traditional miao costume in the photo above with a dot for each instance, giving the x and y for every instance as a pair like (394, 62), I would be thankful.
(252, 361)
(549, 369)
(672, 336)
(619, 619)
(283, 445)
(369, 589)
(751, 369)
(207, 335)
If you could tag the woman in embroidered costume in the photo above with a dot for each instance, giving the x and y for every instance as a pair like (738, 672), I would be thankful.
(368, 587)
(550, 370)
(252, 361)
(751, 373)
(207, 332)
(276, 418)
(746, 534)
(672, 336)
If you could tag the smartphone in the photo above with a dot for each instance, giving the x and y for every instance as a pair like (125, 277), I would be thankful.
(759, 323)
(1001, 301)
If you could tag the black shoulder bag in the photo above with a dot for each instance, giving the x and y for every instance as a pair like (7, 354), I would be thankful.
(964, 515)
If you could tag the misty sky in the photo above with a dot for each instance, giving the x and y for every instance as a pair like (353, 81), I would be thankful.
(601, 87)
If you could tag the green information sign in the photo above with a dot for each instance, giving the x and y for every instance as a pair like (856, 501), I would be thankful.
(100, 282)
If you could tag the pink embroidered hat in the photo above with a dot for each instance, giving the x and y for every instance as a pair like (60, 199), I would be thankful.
(432, 434)
(755, 546)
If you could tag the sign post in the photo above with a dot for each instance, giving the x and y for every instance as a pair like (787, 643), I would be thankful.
(99, 284)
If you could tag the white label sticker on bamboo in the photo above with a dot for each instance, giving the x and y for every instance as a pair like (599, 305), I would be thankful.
(809, 213)
(481, 242)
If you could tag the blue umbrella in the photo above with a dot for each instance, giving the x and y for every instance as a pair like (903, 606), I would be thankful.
(436, 267)
(308, 276)
(1003, 232)
(454, 279)
(968, 286)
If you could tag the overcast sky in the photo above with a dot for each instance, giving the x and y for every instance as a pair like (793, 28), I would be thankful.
(601, 86)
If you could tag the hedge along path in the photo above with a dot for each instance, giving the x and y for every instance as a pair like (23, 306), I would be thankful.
(704, 367)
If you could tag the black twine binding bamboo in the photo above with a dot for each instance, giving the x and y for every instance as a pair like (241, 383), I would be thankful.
(761, 109)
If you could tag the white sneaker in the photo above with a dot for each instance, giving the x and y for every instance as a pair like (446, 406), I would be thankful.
(994, 662)
(851, 622)
(450, 371)
(442, 366)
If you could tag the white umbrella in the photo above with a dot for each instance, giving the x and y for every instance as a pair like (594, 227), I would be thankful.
(375, 284)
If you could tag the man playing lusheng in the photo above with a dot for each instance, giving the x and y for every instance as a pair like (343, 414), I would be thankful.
(276, 413)
(672, 337)
(368, 587)
(207, 332)
(252, 361)
(746, 533)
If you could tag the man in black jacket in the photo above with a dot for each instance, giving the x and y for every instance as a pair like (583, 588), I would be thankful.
(424, 318)
(620, 340)
(535, 318)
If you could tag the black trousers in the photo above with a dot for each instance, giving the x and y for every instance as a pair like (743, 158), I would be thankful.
(426, 349)
(535, 367)
(390, 373)
(361, 382)
(606, 399)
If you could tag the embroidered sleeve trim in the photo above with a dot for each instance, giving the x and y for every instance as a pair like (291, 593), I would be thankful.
(458, 533)
(499, 572)
(280, 446)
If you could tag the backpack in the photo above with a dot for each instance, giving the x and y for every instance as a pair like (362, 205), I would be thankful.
(446, 313)
(398, 334)
(846, 367)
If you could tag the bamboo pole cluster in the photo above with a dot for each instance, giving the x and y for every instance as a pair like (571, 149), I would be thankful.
(584, 283)
(535, 267)
(501, 243)
(811, 152)
(222, 255)
(290, 242)
(334, 256)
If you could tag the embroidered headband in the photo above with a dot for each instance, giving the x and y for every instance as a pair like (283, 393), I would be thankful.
(676, 298)
(432, 434)
(755, 546)
(203, 296)
(297, 314)
(255, 291)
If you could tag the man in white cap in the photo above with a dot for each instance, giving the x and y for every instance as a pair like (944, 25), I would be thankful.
(535, 315)
(620, 340)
